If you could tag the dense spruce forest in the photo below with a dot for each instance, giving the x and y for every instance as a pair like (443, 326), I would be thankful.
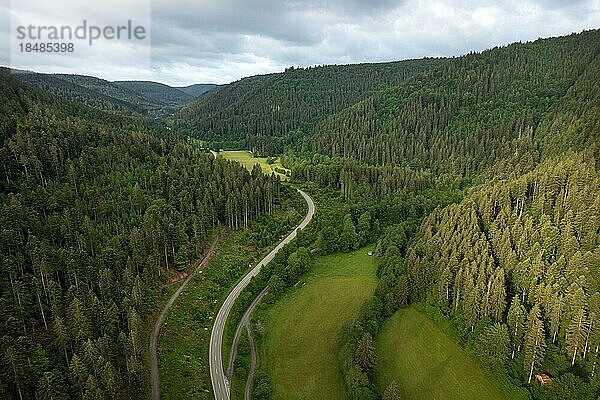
(198, 89)
(268, 112)
(512, 270)
(158, 93)
(96, 209)
(471, 113)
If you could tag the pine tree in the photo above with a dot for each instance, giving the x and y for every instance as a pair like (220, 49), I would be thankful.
(364, 228)
(14, 360)
(365, 354)
(492, 347)
(444, 288)
(593, 338)
(110, 379)
(577, 333)
(77, 373)
(92, 389)
(50, 387)
(470, 306)
(62, 336)
(497, 295)
(515, 321)
(555, 315)
(535, 343)
(137, 198)
(348, 236)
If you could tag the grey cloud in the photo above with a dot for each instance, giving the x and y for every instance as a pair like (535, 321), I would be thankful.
(270, 18)
(4, 32)
(562, 4)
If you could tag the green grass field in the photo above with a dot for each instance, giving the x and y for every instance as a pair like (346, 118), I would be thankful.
(426, 363)
(247, 160)
(304, 327)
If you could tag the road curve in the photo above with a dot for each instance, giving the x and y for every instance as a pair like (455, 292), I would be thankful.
(159, 322)
(220, 383)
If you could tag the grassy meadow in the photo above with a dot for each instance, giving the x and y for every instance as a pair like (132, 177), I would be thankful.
(426, 363)
(304, 326)
(246, 158)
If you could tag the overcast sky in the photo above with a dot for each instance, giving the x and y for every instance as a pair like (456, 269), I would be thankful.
(198, 41)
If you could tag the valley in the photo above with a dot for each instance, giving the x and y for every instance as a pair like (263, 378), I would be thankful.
(419, 229)
(246, 159)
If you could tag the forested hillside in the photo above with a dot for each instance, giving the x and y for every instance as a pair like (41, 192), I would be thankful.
(73, 92)
(476, 176)
(263, 113)
(95, 209)
(197, 89)
(158, 92)
(473, 111)
(516, 266)
(512, 270)
(146, 98)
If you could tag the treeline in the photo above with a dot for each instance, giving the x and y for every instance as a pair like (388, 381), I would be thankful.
(172, 98)
(471, 112)
(268, 112)
(94, 209)
(354, 179)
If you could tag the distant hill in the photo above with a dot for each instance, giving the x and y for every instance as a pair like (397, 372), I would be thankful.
(158, 92)
(126, 97)
(471, 111)
(263, 112)
(198, 89)
(93, 92)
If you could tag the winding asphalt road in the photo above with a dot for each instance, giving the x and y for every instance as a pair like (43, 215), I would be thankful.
(220, 382)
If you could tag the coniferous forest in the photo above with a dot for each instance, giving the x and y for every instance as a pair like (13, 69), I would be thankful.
(476, 177)
(513, 266)
(266, 113)
(96, 209)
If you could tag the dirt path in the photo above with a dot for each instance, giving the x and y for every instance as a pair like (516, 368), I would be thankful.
(159, 322)
(245, 321)
(252, 362)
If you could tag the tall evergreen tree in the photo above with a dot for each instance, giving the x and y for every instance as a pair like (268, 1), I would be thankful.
(365, 354)
(535, 343)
